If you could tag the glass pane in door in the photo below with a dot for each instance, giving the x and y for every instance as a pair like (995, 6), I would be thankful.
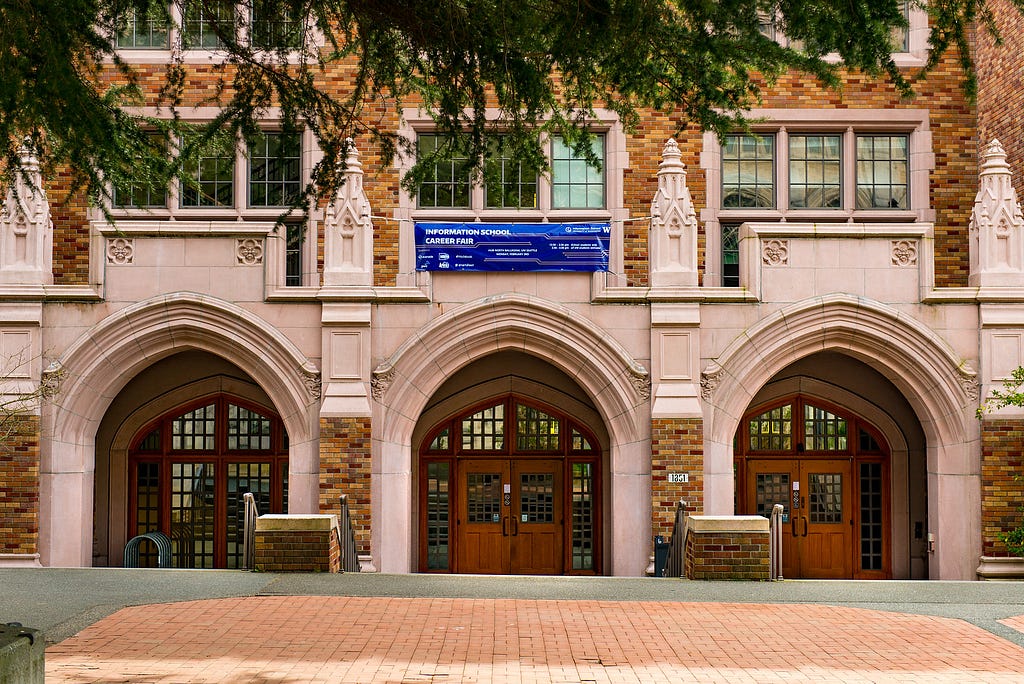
(826, 498)
(437, 516)
(193, 524)
(583, 516)
(537, 497)
(242, 478)
(483, 498)
(770, 489)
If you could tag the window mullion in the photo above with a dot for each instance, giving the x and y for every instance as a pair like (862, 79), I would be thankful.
(848, 172)
(782, 169)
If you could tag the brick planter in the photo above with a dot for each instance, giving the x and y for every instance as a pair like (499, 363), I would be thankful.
(726, 548)
(297, 543)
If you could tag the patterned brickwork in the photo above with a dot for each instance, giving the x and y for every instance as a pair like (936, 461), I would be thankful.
(1000, 71)
(1002, 481)
(726, 556)
(19, 486)
(676, 447)
(345, 469)
(297, 551)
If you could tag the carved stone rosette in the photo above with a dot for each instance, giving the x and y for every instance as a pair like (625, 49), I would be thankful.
(775, 253)
(249, 251)
(904, 252)
(120, 251)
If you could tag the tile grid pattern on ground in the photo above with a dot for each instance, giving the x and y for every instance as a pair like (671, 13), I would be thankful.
(339, 639)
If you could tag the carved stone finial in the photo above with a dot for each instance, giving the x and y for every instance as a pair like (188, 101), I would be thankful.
(673, 238)
(26, 230)
(348, 230)
(997, 225)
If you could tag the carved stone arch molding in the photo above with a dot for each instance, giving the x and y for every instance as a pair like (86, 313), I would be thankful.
(599, 363)
(939, 385)
(618, 385)
(99, 364)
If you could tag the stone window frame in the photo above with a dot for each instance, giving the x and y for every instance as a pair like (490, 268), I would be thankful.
(616, 159)
(176, 47)
(914, 123)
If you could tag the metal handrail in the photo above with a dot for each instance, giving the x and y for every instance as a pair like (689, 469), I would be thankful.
(251, 512)
(677, 543)
(347, 538)
(775, 542)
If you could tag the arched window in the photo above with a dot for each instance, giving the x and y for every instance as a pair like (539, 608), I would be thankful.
(189, 469)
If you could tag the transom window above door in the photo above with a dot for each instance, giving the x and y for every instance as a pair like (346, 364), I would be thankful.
(530, 429)
(800, 426)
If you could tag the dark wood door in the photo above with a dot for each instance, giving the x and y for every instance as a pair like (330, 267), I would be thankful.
(510, 517)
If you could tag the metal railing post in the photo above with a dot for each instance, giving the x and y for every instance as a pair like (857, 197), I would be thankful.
(249, 531)
(775, 543)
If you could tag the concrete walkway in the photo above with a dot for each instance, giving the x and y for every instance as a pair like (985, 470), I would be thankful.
(224, 626)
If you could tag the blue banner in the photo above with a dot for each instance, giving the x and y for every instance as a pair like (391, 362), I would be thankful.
(512, 246)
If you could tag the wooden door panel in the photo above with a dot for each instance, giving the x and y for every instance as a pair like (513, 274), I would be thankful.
(770, 482)
(537, 525)
(826, 547)
(483, 525)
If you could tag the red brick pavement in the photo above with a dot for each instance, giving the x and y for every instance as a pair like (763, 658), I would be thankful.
(337, 639)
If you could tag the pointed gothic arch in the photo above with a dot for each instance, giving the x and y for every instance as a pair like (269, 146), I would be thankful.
(939, 385)
(99, 364)
(618, 385)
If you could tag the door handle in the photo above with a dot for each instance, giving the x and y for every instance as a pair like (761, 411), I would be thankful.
(504, 526)
(804, 518)
(793, 524)
(515, 527)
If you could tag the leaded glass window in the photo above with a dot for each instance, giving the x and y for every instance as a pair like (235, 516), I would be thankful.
(508, 184)
(575, 184)
(825, 502)
(440, 442)
(814, 171)
(583, 516)
(535, 429)
(772, 430)
(871, 520)
(247, 430)
(579, 442)
(193, 521)
(537, 497)
(274, 27)
(145, 31)
(437, 507)
(771, 489)
(485, 430)
(210, 178)
(883, 177)
(447, 180)
(483, 497)
(748, 171)
(253, 478)
(275, 164)
(823, 430)
(205, 23)
(194, 431)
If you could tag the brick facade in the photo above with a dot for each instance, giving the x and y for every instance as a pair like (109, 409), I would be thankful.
(1002, 486)
(676, 447)
(1000, 72)
(345, 469)
(19, 487)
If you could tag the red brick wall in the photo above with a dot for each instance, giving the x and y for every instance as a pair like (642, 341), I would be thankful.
(676, 447)
(726, 556)
(297, 551)
(345, 469)
(1002, 489)
(19, 486)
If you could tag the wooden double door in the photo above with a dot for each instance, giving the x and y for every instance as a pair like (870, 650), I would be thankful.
(829, 469)
(510, 517)
(818, 513)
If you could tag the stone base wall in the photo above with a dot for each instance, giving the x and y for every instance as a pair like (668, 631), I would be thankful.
(297, 544)
(19, 486)
(726, 549)
(1002, 481)
(345, 469)
(677, 447)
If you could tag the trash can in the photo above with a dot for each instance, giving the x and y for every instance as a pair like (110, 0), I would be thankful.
(660, 555)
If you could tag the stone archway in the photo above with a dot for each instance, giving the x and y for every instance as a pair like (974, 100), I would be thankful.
(939, 385)
(97, 366)
(618, 385)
